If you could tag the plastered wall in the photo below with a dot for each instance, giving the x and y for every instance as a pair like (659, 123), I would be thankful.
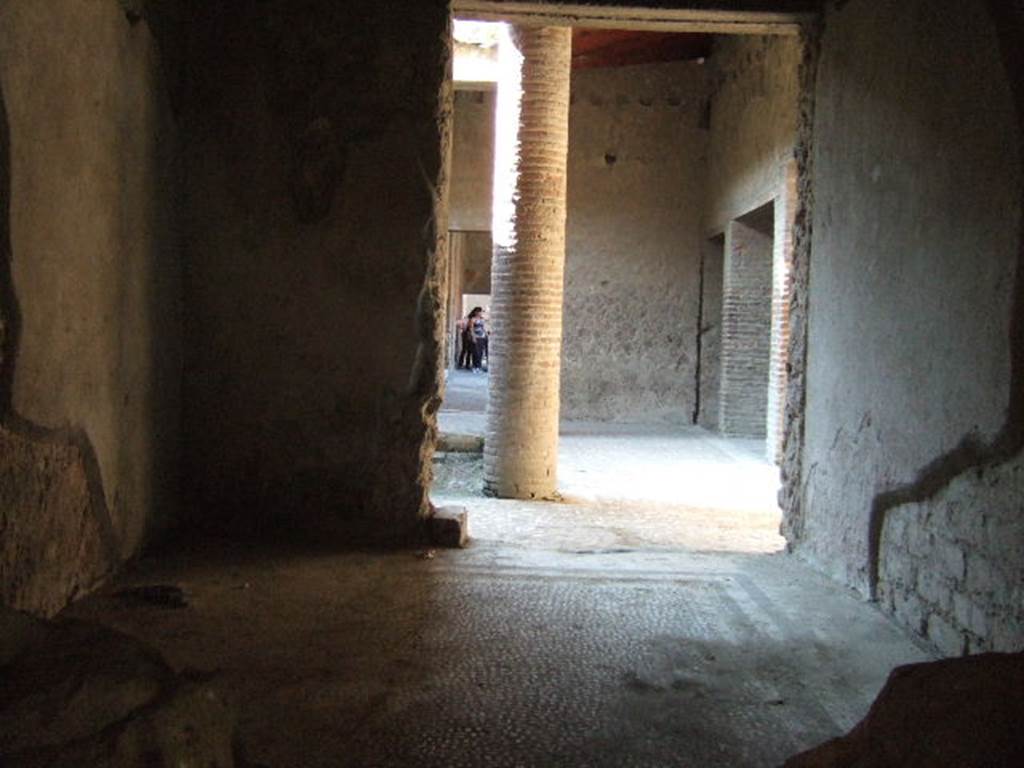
(472, 181)
(89, 297)
(752, 123)
(316, 153)
(912, 484)
(636, 170)
(476, 263)
(712, 279)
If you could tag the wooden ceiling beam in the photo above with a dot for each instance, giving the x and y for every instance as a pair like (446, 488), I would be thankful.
(713, 21)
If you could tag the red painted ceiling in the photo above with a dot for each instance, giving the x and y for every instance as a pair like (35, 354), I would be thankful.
(619, 48)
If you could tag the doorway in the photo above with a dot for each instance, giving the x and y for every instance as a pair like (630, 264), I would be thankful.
(644, 288)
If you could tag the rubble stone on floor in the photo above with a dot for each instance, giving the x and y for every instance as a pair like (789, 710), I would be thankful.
(75, 693)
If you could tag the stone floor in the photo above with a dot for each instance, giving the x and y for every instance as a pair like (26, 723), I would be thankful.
(504, 655)
(622, 485)
(602, 631)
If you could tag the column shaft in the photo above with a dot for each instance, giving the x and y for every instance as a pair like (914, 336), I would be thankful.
(521, 448)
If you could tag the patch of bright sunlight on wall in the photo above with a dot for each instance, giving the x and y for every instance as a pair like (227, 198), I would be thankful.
(506, 140)
(476, 51)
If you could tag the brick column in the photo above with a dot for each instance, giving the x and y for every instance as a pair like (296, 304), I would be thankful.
(521, 448)
(746, 331)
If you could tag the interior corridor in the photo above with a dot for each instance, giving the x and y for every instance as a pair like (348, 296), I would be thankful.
(238, 243)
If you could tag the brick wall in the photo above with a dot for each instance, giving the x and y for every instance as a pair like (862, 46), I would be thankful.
(950, 567)
(750, 169)
(746, 329)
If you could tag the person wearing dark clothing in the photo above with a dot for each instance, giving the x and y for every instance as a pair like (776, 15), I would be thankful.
(478, 332)
(465, 359)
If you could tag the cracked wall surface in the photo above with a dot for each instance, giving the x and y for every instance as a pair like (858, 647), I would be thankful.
(91, 353)
(916, 243)
(315, 151)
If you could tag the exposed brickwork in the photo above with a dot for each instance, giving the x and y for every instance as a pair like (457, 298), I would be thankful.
(949, 565)
(753, 124)
(527, 275)
(746, 338)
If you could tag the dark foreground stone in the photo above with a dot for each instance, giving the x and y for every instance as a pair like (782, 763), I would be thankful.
(74, 693)
(449, 527)
(965, 712)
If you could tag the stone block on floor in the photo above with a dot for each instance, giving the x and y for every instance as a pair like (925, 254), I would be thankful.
(449, 527)
(449, 442)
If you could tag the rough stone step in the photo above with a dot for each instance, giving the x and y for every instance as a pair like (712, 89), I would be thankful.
(456, 443)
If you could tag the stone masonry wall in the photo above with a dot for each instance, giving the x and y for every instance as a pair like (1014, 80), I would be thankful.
(911, 484)
(90, 368)
(951, 569)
